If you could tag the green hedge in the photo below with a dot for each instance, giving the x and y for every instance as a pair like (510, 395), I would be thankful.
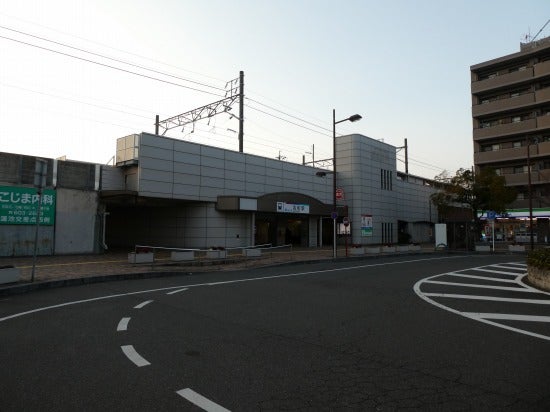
(539, 258)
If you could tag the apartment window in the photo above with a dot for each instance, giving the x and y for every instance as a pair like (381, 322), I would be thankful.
(520, 169)
(498, 172)
(516, 145)
(516, 119)
(516, 94)
(521, 196)
(483, 125)
(495, 147)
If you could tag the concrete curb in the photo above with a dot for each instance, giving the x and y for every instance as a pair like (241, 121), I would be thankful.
(21, 288)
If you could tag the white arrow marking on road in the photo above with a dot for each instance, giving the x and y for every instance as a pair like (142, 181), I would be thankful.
(142, 304)
(201, 401)
(135, 357)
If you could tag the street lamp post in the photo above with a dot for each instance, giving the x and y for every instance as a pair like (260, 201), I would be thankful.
(354, 118)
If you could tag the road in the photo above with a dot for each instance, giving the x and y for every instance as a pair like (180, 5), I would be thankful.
(417, 332)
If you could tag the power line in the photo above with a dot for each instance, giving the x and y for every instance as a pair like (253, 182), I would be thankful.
(109, 66)
(289, 115)
(111, 58)
(286, 120)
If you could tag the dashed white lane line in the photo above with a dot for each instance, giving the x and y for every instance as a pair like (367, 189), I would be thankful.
(176, 291)
(142, 304)
(462, 275)
(123, 325)
(135, 357)
(200, 401)
(491, 298)
(508, 316)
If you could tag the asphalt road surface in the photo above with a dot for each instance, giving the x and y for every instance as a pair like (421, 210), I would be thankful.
(417, 332)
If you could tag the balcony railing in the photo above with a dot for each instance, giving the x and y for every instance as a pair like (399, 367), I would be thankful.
(502, 80)
(505, 129)
(542, 68)
(503, 104)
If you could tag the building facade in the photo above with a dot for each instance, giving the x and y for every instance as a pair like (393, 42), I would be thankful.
(172, 193)
(511, 121)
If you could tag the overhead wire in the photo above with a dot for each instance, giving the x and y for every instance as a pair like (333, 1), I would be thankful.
(111, 58)
(110, 66)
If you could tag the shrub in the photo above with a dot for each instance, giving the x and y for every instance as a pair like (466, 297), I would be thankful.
(539, 259)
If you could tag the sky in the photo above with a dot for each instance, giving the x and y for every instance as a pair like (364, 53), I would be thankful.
(76, 75)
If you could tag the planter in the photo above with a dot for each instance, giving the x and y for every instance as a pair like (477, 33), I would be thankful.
(357, 251)
(539, 277)
(252, 252)
(483, 248)
(141, 257)
(388, 249)
(9, 275)
(216, 254)
(516, 248)
(373, 250)
(182, 255)
(402, 248)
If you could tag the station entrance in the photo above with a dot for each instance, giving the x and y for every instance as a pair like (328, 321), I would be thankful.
(282, 230)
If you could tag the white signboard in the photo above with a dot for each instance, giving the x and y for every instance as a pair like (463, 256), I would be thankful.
(283, 207)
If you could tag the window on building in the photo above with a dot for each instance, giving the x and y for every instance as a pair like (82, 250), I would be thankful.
(516, 119)
(386, 177)
(520, 169)
(516, 145)
(498, 172)
(387, 232)
(495, 147)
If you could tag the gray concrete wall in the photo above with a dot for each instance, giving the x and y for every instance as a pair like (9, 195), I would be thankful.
(18, 240)
(170, 168)
(76, 220)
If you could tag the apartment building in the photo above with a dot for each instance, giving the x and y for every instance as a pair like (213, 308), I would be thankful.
(511, 123)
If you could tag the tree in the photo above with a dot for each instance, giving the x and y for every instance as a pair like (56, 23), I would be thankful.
(478, 192)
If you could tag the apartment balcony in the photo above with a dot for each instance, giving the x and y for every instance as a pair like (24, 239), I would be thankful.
(504, 155)
(522, 179)
(503, 80)
(506, 129)
(542, 69)
(542, 95)
(504, 104)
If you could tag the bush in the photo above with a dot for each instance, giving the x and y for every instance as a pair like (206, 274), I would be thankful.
(539, 259)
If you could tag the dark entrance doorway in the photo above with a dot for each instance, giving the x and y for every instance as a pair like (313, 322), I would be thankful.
(282, 230)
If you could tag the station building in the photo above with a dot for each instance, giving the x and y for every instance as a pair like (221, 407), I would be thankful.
(172, 193)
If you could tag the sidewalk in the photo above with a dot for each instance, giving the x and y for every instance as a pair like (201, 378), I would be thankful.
(54, 271)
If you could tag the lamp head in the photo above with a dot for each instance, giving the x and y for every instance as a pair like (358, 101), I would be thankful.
(355, 118)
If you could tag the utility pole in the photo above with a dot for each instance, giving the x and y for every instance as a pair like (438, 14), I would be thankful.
(241, 110)
(406, 157)
(530, 193)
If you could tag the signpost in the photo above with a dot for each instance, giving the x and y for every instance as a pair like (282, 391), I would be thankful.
(40, 173)
(491, 216)
(345, 221)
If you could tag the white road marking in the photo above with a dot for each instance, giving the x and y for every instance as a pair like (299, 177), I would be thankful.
(507, 266)
(505, 316)
(76, 302)
(486, 317)
(499, 272)
(462, 275)
(123, 325)
(135, 357)
(490, 298)
(177, 291)
(201, 401)
(142, 304)
(480, 286)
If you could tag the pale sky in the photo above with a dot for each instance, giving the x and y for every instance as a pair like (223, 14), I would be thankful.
(403, 65)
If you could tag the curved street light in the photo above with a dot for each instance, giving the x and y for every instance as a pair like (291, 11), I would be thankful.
(353, 118)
